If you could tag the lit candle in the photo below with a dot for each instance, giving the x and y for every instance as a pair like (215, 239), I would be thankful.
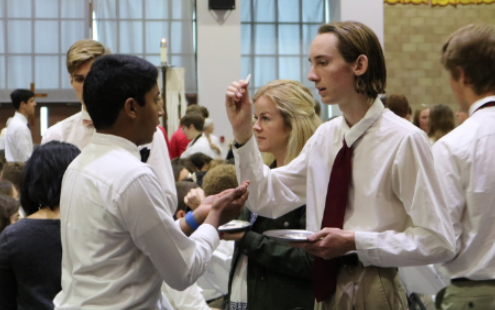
(163, 51)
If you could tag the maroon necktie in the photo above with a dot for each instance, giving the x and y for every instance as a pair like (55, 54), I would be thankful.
(486, 105)
(325, 271)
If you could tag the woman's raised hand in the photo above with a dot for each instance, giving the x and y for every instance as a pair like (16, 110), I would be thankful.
(238, 107)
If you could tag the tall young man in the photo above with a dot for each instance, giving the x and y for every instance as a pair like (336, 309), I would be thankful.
(464, 160)
(367, 178)
(78, 129)
(119, 239)
(18, 140)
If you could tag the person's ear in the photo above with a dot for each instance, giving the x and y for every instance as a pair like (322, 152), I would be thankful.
(180, 214)
(462, 77)
(360, 65)
(130, 107)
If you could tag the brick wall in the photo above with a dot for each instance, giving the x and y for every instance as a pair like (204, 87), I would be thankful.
(414, 35)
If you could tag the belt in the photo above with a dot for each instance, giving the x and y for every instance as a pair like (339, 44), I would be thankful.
(350, 260)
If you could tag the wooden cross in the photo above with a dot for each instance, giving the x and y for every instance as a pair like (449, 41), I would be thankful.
(32, 117)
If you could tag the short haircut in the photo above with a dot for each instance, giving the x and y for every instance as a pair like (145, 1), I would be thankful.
(195, 119)
(82, 51)
(472, 48)
(441, 121)
(111, 81)
(8, 207)
(42, 176)
(196, 108)
(398, 104)
(184, 163)
(218, 179)
(20, 95)
(182, 189)
(6, 188)
(355, 39)
(12, 172)
(296, 105)
(199, 160)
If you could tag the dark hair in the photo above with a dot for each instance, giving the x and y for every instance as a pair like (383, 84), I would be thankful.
(441, 121)
(42, 176)
(199, 160)
(12, 171)
(111, 81)
(8, 206)
(20, 95)
(182, 189)
(184, 163)
(198, 109)
(472, 48)
(195, 119)
(355, 39)
(398, 104)
(218, 179)
(6, 188)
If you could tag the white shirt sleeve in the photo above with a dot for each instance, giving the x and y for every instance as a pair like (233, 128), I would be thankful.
(23, 143)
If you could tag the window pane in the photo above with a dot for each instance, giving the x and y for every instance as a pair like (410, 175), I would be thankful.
(2, 71)
(289, 68)
(2, 6)
(154, 59)
(246, 39)
(19, 71)
(19, 29)
(132, 9)
(189, 71)
(131, 37)
(177, 9)
(46, 70)
(264, 10)
(288, 40)
(181, 39)
(155, 31)
(105, 9)
(263, 39)
(309, 33)
(2, 40)
(156, 9)
(245, 10)
(72, 31)
(46, 37)
(46, 9)
(107, 31)
(313, 11)
(288, 11)
(18, 8)
(265, 70)
(73, 8)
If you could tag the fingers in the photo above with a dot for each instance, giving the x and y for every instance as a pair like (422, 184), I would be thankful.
(318, 235)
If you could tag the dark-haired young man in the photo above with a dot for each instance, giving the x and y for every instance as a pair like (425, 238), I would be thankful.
(464, 160)
(119, 238)
(367, 179)
(192, 125)
(18, 140)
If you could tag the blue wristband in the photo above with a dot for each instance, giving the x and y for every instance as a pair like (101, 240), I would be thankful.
(191, 221)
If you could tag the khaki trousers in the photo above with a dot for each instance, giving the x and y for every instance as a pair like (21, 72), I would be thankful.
(469, 295)
(366, 288)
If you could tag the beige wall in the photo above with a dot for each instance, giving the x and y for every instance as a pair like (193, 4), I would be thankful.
(414, 35)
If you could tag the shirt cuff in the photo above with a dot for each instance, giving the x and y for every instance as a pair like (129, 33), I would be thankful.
(209, 232)
(367, 247)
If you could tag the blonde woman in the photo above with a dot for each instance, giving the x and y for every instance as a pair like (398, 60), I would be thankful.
(264, 273)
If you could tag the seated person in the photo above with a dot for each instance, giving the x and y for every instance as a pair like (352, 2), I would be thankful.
(30, 251)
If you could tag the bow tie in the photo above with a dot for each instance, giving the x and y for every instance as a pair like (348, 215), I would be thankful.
(145, 154)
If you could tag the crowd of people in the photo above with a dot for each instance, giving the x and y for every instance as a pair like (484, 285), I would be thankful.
(107, 213)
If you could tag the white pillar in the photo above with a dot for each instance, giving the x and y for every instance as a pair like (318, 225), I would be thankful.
(219, 61)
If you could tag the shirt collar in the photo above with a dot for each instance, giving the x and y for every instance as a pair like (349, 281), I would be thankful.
(21, 117)
(355, 132)
(479, 103)
(112, 140)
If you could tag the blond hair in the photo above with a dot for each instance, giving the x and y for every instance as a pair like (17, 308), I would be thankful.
(82, 51)
(296, 104)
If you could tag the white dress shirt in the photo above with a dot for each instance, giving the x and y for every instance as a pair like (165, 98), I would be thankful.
(395, 205)
(464, 160)
(78, 130)
(119, 239)
(18, 140)
(188, 299)
(199, 145)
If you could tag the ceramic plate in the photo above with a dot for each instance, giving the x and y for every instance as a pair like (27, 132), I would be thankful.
(289, 235)
(234, 225)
